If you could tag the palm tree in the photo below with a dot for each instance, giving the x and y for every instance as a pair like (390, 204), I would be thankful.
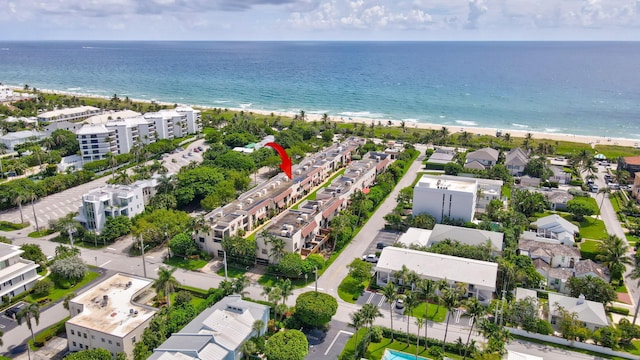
(411, 301)
(277, 246)
(17, 200)
(33, 196)
(31, 311)
(357, 322)
(402, 275)
(440, 285)
(67, 298)
(426, 288)
(370, 313)
(248, 348)
(257, 326)
(390, 294)
(239, 284)
(451, 300)
(286, 288)
(613, 255)
(475, 310)
(166, 283)
(605, 191)
(420, 324)
(112, 161)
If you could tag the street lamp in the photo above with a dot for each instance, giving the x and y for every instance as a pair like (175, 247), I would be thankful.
(225, 264)
(144, 264)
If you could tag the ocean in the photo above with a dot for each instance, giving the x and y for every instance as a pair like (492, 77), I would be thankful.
(582, 88)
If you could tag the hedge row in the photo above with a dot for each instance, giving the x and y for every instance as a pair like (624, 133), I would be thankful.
(47, 334)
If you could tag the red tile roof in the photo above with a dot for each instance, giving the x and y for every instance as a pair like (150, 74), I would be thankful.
(632, 160)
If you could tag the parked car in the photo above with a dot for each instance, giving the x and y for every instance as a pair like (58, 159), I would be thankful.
(372, 258)
(200, 148)
(381, 245)
(400, 304)
(12, 311)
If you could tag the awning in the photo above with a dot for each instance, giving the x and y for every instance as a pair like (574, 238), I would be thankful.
(281, 204)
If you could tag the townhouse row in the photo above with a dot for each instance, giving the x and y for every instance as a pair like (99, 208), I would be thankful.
(304, 230)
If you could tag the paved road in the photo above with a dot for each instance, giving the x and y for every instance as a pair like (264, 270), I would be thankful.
(58, 205)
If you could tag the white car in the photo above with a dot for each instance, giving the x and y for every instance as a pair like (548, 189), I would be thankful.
(372, 258)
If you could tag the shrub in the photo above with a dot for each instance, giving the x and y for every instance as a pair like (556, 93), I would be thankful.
(183, 297)
(315, 308)
(287, 345)
(376, 334)
(618, 310)
(544, 327)
(41, 288)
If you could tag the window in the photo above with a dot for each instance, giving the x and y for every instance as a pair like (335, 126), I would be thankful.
(201, 239)
(93, 337)
(117, 344)
(102, 339)
(74, 344)
(85, 335)
(264, 251)
(73, 332)
(133, 339)
(81, 346)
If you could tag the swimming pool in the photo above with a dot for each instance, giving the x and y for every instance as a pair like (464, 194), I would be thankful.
(399, 355)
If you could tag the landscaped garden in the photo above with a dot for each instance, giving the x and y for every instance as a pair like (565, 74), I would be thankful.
(60, 288)
(186, 263)
(589, 249)
(9, 226)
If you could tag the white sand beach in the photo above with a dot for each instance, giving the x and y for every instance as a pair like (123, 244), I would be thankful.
(593, 140)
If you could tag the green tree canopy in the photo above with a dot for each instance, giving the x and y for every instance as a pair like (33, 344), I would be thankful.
(183, 245)
(240, 250)
(34, 253)
(93, 354)
(315, 309)
(580, 209)
(235, 160)
(593, 288)
(287, 345)
(196, 183)
(360, 270)
(70, 268)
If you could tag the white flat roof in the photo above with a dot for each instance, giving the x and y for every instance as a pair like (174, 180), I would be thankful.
(114, 115)
(435, 182)
(115, 316)
(415, 236)
(68, 111)
(437, 266)
(91, 129)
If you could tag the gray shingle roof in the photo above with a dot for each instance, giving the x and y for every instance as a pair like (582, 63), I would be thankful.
(548, 249)
(467, 236)
(484, 154)
(555, 223)
(588, 311)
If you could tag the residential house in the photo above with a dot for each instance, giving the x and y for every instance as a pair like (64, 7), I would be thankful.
(414, 238)
(442, 156)
(528, 181)
(559, 175)
(588, 267)
(522, 294)
(481, 159)
(109, 316)
(10, 140)
(467, 236)
(557, 198)
(590, 313)
(17, 275)
(629, 163)
(515, 161)
(555, 227)
(217, 333)
(479, 276)
(555, 262)
(69, 114)
(71, 163)
(114, 200)
(454, 199)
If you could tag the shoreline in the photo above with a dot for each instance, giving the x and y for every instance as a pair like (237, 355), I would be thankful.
(476, 130)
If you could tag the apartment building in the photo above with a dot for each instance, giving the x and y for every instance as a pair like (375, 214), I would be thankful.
(96, 141)
(488, 190)
(114, 200)
(69, 114)
(440, 198)
(132, 131)
(10, 140)
(193, 118)
(267, 200)
(17, 275)
(108, 316)
(169, 124)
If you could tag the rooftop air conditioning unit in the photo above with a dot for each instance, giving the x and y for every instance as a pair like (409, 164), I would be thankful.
(320, 203)
(278, 183)
(305, 217)
(298, 172)
(240, 206)
(273, 185)
(283, 233)
(300, 220)
(249, 201)
(290, 227)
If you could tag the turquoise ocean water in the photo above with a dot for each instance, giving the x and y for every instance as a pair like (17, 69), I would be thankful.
(584, 88)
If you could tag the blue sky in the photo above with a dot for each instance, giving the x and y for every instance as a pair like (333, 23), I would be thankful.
(320, 20)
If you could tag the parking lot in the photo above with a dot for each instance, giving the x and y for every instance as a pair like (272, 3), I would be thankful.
(7, 323)
(386, 237)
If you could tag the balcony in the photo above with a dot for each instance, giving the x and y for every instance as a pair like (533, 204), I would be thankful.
(316, 244)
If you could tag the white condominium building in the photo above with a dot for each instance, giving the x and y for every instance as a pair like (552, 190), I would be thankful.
(96, 141)
(194, 124)
(169, 123)
(69, 114)
(114, 200)
(108, 316)
(17, 275)
(454, 199)
(132, 131)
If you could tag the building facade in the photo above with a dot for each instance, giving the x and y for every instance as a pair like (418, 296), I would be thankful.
(114, 200)
(10, 140)
(454, 199)
(108, 316)
(17, 275)
(96, 141)
(69, 114)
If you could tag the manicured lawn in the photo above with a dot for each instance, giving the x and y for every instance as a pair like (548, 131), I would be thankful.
(621, 289)
(593, 229)
(632, 239)
(376, 350)
(589, 249)
(419, 311)
(612, 152)
(588, 201)
(195, 301)
(271, 280)
(615, 201)
(188, 264)
(232, 271)
(350, 289)
(9, 226)
(58, 293)
(506, 191)
(41, 233)
(633, 348)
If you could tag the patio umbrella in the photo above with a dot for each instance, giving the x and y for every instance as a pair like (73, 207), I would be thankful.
(600, 156)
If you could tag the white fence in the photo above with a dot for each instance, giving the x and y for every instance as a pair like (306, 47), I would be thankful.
(576, 344)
